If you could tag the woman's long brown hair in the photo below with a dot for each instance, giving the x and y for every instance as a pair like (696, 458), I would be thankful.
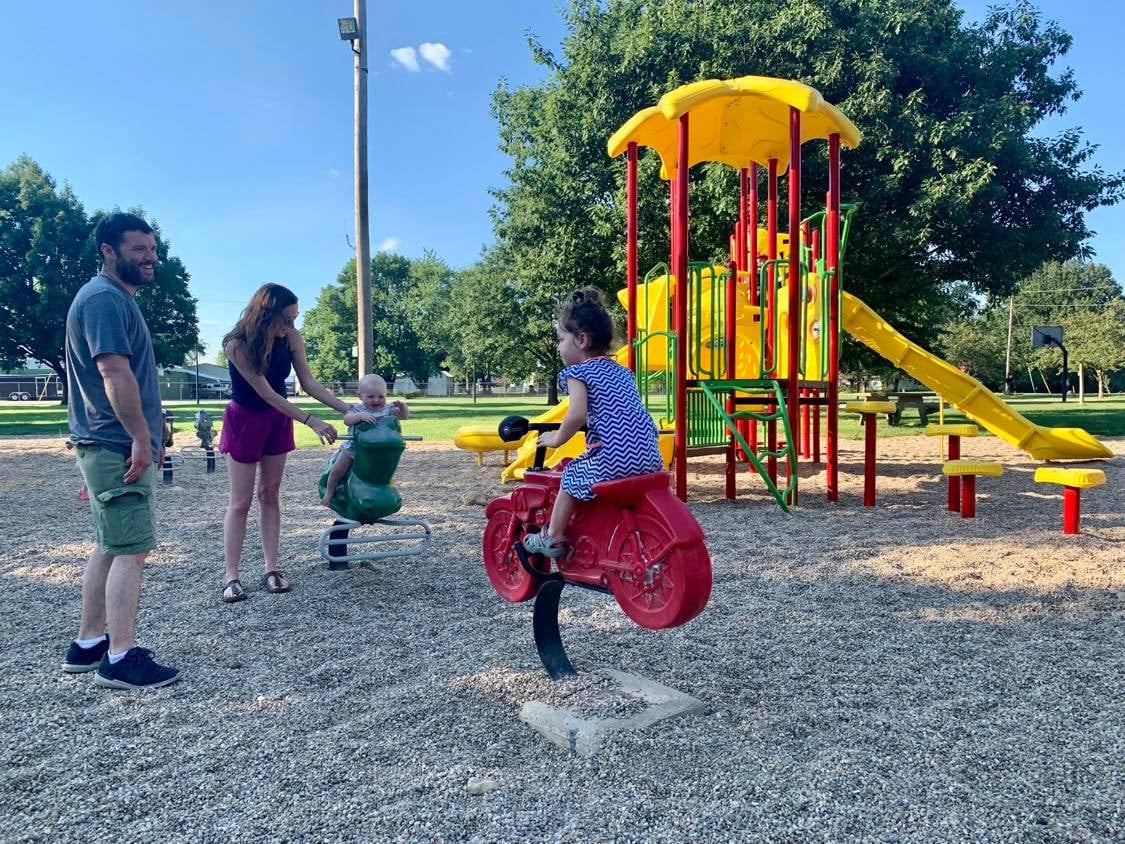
(256, 326)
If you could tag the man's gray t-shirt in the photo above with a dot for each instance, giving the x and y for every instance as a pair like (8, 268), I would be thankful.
(104, 320)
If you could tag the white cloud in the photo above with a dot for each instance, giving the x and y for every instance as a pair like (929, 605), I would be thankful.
(406, 57)
(436, 54)
(389, 244)
(333, 173)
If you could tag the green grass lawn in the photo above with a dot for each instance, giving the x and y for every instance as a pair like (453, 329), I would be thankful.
(433, 418)
(436, 419)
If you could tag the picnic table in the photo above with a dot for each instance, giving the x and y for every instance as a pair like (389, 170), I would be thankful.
(923, 402)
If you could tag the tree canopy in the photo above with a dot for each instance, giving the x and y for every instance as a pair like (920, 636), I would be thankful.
(1080, 296)
(405, 341)
(47, 253)
(952, 181)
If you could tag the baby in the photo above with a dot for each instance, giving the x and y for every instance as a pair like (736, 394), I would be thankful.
(372, 407)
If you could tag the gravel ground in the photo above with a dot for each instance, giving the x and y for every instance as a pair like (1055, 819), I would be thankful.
(892, 674)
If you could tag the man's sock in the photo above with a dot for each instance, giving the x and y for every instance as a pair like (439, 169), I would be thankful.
(116, 658)
(89, 643)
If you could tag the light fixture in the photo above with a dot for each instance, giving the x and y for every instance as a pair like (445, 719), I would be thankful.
(349, 29)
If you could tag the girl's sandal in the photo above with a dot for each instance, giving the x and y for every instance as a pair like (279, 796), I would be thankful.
(237, 593)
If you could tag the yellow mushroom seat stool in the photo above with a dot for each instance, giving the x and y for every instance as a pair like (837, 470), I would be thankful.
(967, 471)
(1073, 481)
(953, 452)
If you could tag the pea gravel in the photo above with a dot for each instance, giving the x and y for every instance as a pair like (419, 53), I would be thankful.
(892, 674)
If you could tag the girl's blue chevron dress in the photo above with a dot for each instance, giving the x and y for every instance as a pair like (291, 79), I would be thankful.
(621, 436)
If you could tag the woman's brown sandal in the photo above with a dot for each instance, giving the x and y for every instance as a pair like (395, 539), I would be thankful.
(237, 593)
(273, 580)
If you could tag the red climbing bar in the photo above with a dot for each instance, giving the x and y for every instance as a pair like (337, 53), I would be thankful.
(631, 250)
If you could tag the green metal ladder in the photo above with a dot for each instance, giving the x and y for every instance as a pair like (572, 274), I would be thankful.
(768, 389)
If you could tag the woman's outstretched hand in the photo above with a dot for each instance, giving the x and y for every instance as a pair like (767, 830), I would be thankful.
(325, 431)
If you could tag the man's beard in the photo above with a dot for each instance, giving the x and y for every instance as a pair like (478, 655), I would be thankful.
(130, 272)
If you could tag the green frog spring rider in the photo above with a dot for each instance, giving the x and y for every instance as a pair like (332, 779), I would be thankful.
(366, 496)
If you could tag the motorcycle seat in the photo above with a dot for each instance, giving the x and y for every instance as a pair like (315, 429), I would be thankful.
(629, 489)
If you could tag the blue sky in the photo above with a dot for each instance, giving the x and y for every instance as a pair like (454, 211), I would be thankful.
(231, 124)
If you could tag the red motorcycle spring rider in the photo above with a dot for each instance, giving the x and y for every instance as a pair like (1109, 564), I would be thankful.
(636, 541)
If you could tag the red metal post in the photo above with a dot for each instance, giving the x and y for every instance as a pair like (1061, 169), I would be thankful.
(954, 491)
(869, 424)
(680, 270)
(631, 249)
(771, 274)
(968, 496)
(816, 429)
(743, 220)
(752, 266)
(771, 445)
(806, 424)
(792, 396)
(832, 262)
(729, 339)
(1072, 507)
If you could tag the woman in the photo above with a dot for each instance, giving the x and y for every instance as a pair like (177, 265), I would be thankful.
(258, 425)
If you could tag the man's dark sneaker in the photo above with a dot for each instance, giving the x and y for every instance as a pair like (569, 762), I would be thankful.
(79, 660)
(135, 670)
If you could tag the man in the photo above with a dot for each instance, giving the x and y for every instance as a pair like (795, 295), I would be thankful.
(116, 427)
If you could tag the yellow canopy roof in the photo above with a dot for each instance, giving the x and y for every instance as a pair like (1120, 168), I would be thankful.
(735, 121)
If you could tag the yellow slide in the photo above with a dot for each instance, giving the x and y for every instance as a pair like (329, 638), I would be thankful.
(966, 393)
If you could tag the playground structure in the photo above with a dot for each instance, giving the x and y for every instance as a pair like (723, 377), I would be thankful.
(366, 497)
(635, 540)
(748, 351)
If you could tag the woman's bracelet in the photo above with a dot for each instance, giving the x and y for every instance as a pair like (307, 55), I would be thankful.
(308, 416)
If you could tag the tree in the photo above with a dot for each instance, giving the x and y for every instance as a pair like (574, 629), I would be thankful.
(1080, 296)
(951, 181)
(330, 329)
(1087, 302)
(487, 326)
(47, 253)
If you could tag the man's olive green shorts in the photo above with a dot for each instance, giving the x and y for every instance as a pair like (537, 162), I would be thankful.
(124, 514)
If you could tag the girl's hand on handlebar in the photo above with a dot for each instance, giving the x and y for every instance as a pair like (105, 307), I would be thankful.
(325, 431)
(549, 439)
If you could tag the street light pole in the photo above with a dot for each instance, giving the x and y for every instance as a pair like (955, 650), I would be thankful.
(365, 333)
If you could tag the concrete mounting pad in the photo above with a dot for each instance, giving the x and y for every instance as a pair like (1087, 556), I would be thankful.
(582, 736)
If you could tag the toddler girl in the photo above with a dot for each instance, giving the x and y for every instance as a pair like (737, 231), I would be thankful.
(620, 435)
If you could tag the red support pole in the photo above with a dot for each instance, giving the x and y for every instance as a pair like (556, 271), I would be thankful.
(743, 221)
(806, 425)
(816, 429)
(832, 261)
(968, 496)
(869, 459)
(732, 307)
(954, 491)
(771, 445)
(792, 397)
(680, 270)
(631, 250)
(752, 266)
(771, 274)
(1072, 508)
